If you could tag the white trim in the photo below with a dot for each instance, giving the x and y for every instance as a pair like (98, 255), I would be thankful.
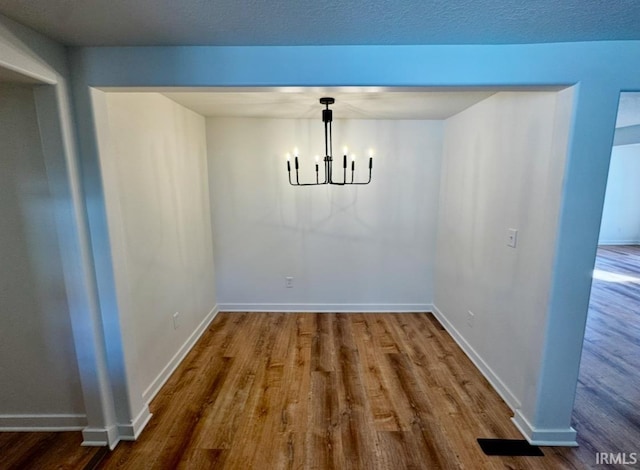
(130, 432)
(157, 383)
(88, 443)
(618, 242)
(313, 308)
(629, 135)
(510, 399)
(99, 437)
(35, 76)
(544, 437)
(539, 437)
(42, 422)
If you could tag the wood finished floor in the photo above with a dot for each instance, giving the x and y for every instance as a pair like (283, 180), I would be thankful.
(44, 450)
(325, 391)
(388, 391)
(607, 408)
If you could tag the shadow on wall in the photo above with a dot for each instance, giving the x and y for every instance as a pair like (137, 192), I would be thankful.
(37, 357)
(324, 235)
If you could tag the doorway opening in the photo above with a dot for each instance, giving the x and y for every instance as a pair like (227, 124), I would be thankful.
(606, 414)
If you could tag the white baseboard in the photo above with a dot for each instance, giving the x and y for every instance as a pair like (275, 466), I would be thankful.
(153, 389)
(544, 437)
(539, 437)
(499, 386)
(42, 422)
(130, 432)
(316, 308)
(99, 437)
(618, 242)
(112, 435)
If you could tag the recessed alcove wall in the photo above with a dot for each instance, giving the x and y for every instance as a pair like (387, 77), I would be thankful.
(185, 192)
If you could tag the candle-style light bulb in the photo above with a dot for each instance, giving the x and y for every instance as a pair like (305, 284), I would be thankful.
(317, 158)
(288, 157)
(295, 151)
(345, 150)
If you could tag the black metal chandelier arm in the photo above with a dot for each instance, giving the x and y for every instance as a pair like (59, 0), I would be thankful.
(362, 182)
(326, 181)
(298, 183)
(345, 183)
(296, 168)
(370, 170)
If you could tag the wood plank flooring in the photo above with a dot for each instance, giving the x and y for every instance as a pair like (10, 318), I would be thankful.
(607, 408)
(350, 391)
(44, 450)
(324, 391)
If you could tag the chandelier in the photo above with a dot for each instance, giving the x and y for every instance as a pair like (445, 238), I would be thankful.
(327, 118)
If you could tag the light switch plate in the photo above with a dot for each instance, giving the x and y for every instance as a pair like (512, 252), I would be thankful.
(512, 237)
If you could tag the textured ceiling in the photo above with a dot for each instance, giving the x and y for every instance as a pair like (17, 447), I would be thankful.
(350, 104)
(313, 22)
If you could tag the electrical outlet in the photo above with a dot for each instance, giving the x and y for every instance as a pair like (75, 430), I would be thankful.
(470, 318)
(176, 320)
(288, 282)
(512, 237)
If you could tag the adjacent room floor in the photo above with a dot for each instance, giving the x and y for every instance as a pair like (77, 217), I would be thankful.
(607, 408)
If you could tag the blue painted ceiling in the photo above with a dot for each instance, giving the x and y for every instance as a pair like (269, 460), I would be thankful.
(328, 22)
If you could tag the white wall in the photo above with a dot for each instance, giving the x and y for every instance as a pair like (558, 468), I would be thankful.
(347, 248)
(35, 58)
(503, 165)
(621, 213)
(154, 168)
(38, 366)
